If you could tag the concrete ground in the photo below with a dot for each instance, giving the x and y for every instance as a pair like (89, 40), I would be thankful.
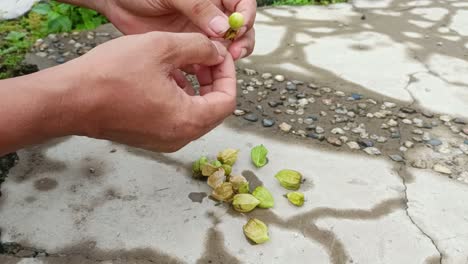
(79, 200)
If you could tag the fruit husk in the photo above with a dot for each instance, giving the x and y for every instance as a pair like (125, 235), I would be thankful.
(228, 156)
(296, 198)
(244, 202)
(264, 196)
(223, 193)
(289, 179)
(256, 231)
(217, 178)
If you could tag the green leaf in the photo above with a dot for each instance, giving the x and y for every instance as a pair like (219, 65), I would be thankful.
(15, 36)
(41, 9)
(64, 9)
(59, 24)
(259, 156)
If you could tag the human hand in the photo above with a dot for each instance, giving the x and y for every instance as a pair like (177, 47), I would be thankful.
(203, 16)
(132, 92)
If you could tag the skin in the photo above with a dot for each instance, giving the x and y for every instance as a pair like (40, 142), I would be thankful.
(138, 97)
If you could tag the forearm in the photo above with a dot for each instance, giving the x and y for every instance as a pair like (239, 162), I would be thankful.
(35, 108)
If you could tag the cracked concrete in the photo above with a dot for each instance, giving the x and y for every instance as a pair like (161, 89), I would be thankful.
(78, 200)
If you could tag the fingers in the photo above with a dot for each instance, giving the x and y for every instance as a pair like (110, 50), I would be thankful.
(243, 46)
(205, 15)
(220, 102)
(192, 48)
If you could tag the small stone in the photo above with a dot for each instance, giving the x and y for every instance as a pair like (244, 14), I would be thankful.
(301, 133)
(402, 115)
(308, 121)
(445, 118)
(455, 129)
(250, 88)
(381, 139)
(427, 114)
(340, 93)
(326, 89)
(278, 111)
(417, 139)
(274, 104)
(285, 127)
(268, 122)
(337, 131)
(466, 141)
(299, 111)
(266, 76)
(302, 102)
(290, 112)
(334, 141)
(417, 121)
(389, 104)
(41, 54)
(365, 143)
(353, 145)
(426, 136)
(327, 101)
(408, 110)
(25, 253)
(323, 113)
(291, 86)
(396, 158)
(434, 142)
(319, 130)
(312, 86)
(420, 164)
(403, 149)
(459, 121)
(356, 96)
(395, 135)
(311, 127)
(251, 117)
(408, 144)
(239, 112)
(465, 131)
(417, 131)
(279, 78)
(250, 72)
(370, 115)
(319, 137)
(92, 170)
(344, 139)
(407, 121)
(379, 115)
(60, 60)
(372, 151)
(392, 123)
(442, 169)
(362, 106)
(464, 149)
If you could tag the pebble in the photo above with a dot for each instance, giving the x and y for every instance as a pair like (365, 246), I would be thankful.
(356, 96)
(459, 121)
(291, 86)
(279, 78)
(41, 54)
(389, 104)
(402, 115)
(323, 113)
(268, 122)
(311, 127)
(312, 86)
(266, 76)
(334, 141)
(302, 102)
(251, 117)
(392, 123)
(465, 131)
(239, 112)
(308, 121)
(407, 121)
(464, 149)
(442, 169)
(326, 89)
(278, 111)
(379, 115)
(316, 136)
(290, 112)
(250, 88)
(408, 110)
(344, 139)
(417, 131)
(434, 142)
(362, 106)
(372, 151)
(426, 136)
(382, 139)
(340, 93)
(327, 101)
(455, 129)
(408, 144)
(60, 60)
(420, 164)
(417, 139)
(353, 145)
(427, 114)
(395, 135)
(319, 130)
(396, 158)
(365, 143)
(250, 72)
(274, 104)
(285, 127)
(337, 131)
(403, 149)
(445, 118)
(466, 141)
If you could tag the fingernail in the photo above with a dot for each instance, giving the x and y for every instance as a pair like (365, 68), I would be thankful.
(222, 51)
(219, 24)
(243, 53)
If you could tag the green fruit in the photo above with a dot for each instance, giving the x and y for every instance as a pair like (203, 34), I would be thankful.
(236, 20)
(244, 188)
(197, 165)
(264, 196)
(228, 156)
(227, 169)
(244, 202)
(289, 179)
(296, 198)
(256, 231)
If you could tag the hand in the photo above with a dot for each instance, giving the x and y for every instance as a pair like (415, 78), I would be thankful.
(203, 16)
(133, 93)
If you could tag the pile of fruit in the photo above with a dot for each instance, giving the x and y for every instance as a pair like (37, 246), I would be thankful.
(235, 189)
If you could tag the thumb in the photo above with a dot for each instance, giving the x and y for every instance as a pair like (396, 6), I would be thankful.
(194, 48)
(206, 15)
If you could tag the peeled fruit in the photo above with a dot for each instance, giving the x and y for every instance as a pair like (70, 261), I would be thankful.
(223, 192)
(289, 179)
(256, 230)
(264, 196)
(196, 167)
(236, 20)
(237, 181)
(244, 202)
(296, 198)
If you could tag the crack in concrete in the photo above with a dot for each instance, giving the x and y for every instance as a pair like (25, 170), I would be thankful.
(400, 172)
